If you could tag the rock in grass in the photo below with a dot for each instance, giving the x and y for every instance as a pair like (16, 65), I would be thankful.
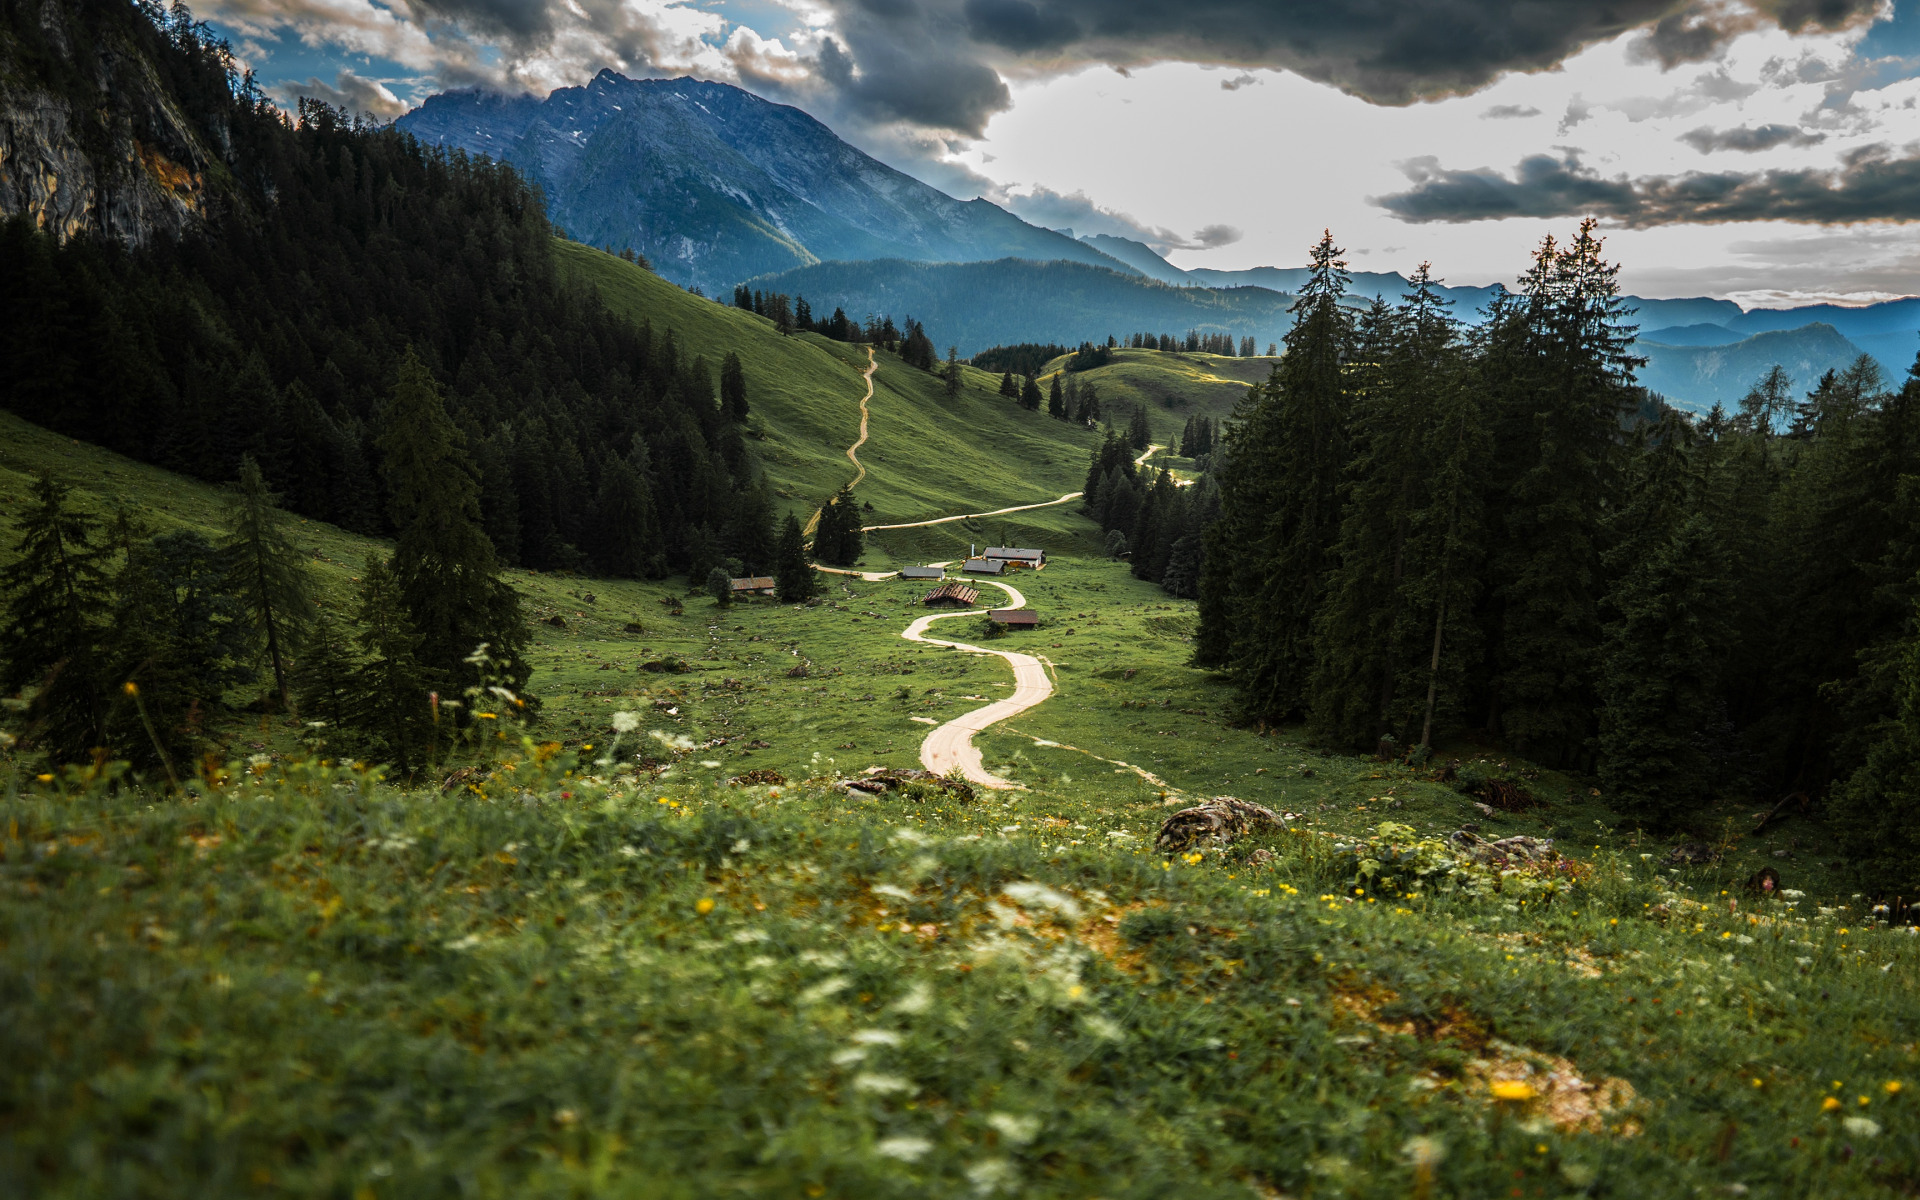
(1502, 853)
(1215, 822)
(911, 781)
(1692, 854)
(765, 775)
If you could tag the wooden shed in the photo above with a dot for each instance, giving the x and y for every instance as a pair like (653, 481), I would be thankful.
(922, 573)
(952, 594)
(753, 585)
(985, 566)
(1014, 618)
(1025, 557)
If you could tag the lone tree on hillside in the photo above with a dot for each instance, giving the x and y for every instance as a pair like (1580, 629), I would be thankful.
(793, 575)
(448, 575)
(265, 571)
(733, 388)
(953, 371)
(1008, 387)
(56, 616)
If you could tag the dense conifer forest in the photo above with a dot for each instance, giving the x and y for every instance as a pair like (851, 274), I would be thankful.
(1426, 529)
(333, 250)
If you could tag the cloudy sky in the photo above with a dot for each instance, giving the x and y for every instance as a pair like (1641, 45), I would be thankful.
(1764, 150)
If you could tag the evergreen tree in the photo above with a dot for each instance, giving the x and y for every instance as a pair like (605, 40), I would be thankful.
(1008, 387)
(720, 587)
(266, 571)
(733, 388)
(1270, 552)
(1139, 432)
(57, 604)
(953, 372)
(447, 572)
(793, 574)
(1030, 395)
(1665, 639)
(629, 531)
(324, 673)
(1560, 369)
(1056, 400)
(389, 687)
(837, 537)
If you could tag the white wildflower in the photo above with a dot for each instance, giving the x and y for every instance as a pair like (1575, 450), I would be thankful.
(919, 998)
(1039, 895)
(1105, 1028)
(1424, 1151)
(880, 1085)
(912, 837)
(825, 989)
(1016, 1129)
(709, 762)
(1793, 894)
(672, 741)
(888, 889)
(465, 943)
(990, 1175)
(625, 722)
(906, 1149)
(748, 936)
(629, 852)
(876, 1037)
(742, 846)
(847, 1058)
(1861, 1127)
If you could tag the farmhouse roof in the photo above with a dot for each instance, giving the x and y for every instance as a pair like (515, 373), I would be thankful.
(1013, 616)
(985, 566)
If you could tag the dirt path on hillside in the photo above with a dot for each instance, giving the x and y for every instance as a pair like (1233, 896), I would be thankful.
(998, 512)
(951, 745)
(853, 455)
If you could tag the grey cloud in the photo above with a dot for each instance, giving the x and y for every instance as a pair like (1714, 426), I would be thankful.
(348, 91)
(1509, 112)
(1699, 31)
(1869, 185)
(1076, 210)
(1018, 25)
(1237, 82)
(1749, 141)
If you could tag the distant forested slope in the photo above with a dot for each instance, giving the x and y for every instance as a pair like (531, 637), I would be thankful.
(980, 304)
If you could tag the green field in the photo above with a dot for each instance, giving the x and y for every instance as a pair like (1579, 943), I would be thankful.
(1172, 385)
(604, 970)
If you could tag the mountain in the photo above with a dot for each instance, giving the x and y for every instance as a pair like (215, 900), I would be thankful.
(1699, 376)
(1690, 335)
(982, 304)
(1141, 257)
(715, 185)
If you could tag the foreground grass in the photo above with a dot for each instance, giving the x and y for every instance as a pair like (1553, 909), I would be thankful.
(300, 981)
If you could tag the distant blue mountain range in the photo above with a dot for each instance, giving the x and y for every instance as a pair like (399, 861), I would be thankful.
(717, 187)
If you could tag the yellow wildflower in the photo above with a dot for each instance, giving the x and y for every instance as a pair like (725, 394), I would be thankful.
(1829, 1104)
(704, 906)
(1513, 1089)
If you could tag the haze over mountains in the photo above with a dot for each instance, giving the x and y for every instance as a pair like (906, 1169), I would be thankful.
(717, 186)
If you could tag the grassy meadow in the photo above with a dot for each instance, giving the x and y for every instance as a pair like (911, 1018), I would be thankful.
(601, 968)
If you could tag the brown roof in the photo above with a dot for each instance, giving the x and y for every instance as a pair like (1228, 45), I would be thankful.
(1013, 616)
(952, 590)
(753, 583)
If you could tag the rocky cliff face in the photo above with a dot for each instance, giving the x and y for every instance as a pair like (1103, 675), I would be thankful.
(90, 140)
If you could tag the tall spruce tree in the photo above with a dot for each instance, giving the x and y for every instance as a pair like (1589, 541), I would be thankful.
(1056, 400)
(57, 607)
(1030, 394)
(1271, 550)
(266, 572)
(953, 372)
(1665, 637)
(733, 388)
(390, 707)
(448, 576)
(324, 673)
(793, 574)
(1559, 365)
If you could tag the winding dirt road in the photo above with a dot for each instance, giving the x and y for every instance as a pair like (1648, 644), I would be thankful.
(951, 745)
(853, 456)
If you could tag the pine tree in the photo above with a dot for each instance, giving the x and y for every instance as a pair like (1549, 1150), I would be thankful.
(1665, 638)
(953, 372)
(733, 388)
(448, 574)
(1030, 395)
(1056, 400)
(837, 537)
(323, 674)
(1008, 387)
(793, 575)
(389, 687)
(1139, 432)
(266, 571)
(629, 530)
(57, 603)
(1270, 552)
(1559, 366)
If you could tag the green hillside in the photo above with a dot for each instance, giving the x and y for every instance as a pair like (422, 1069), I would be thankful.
(926, 455)
(1173, 385)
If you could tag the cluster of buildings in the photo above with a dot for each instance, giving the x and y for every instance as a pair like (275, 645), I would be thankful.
(998, 560)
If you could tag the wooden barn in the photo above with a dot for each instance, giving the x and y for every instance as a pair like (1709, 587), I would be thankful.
(922, 573)
(952, 594)
(753, 585)
(1016, 554)
(1014, 618)
(985, 566)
